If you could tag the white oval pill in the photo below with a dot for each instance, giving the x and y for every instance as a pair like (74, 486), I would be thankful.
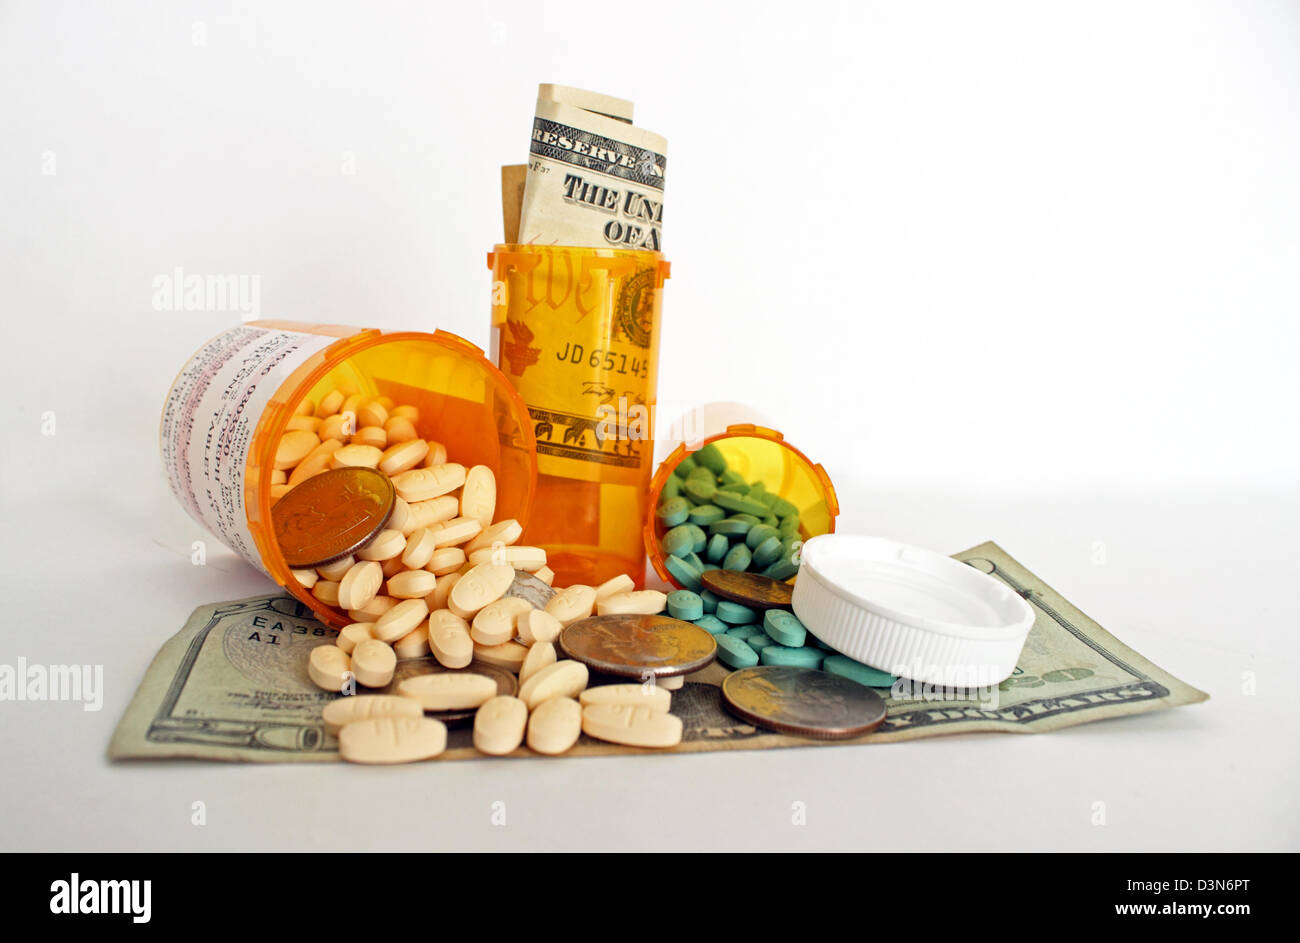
(412, 584)
(437, 455)
(645, 695)
(540, 654)
(327, 591)
(414, 644)
(528, 559)
(546, 575)
(305, 578)
(671, 683)
(536, 625)
(329, 403)
(360, 584)
(372, 610)
(356, 456)
(402, 429)
(572, 603)
(448, 690)
(446, 583)
(401, 619)
(392, 740)
(384, 545)
(457, 531)
(434, 511)
(554, 726)
(403, 456)
(371, 435)
(293, 447)
(347, 710)
(373, 663)
(508, 655)
(329, 667)
(420, 546)
(478, 496)
(350, 635)
(499, 725)
(421, 484)
(495, 622)
(400, 517)
(618, 584)
(449, 639)
(632, 725)
(445, 560)
(563, 679)
(336, 569)
(647, 602)
(504, 533)
(483, 584)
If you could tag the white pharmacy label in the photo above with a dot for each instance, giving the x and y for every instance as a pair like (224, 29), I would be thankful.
(211, 415)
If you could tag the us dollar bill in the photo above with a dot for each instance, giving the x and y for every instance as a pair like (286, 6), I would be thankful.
(233, 685)
(594, 178)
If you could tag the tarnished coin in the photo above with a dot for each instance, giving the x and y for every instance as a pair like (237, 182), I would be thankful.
(750, 589)
(332, 514)
(803, 701)
(411, 667)
(633, 646)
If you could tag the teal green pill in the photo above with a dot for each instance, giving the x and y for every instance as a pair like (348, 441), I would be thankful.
(674, 511)
(782, 569)
(671, 489)
(684, 467)
(798, 657)
(711, 624)
(710, 601)
(698, 537)
(749, 519)
(694, 560)
(785, 627)
(700, 490)
(759, 533)
(705, 514)
(819, 643)
(789, 526)
(734, 613)
(679, 541)
(740, 631)
(738, 503)
(683, 572)
(711, 457)
(783, 508)
(686, 605)
(716, 550)
(771, 520)
(708, 566)
(759, 642)
(731, 527)
(767, 553)
(846, 667)
(734, 653)
(728, 478)
(737, 558)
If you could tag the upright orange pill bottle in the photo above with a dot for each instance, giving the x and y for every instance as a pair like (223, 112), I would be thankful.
(228, 407)
(576, 331)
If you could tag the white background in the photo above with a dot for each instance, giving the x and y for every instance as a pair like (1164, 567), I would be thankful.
(1028, 272)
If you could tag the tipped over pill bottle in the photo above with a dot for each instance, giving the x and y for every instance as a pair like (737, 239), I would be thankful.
(231, 403)
(744, 498)
(576, 330)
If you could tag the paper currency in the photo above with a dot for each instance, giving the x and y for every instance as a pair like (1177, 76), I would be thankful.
(594, 178)
(232, 685)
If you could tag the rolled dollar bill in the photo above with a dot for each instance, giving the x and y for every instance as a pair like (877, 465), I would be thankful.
(594, 178)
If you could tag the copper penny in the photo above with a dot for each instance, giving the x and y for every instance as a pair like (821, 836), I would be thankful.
(634, 646)
(751, 589)
(332, 514)
(803, 701)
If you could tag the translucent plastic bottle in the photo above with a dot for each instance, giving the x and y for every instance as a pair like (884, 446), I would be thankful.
(576, 330)
(227, 409)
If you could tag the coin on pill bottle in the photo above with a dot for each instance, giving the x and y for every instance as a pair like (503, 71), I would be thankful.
(330, 515)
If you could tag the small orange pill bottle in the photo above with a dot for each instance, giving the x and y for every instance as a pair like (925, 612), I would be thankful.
(576, 330)
(229, 406)
(757, 454)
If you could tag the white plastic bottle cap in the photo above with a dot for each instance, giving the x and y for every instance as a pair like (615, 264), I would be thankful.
(910, 611)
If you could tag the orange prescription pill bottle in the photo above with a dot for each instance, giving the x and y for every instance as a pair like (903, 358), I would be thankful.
(757, 454)
(576, 330)
(228, 407)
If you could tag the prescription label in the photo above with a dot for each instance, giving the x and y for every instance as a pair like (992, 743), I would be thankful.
(579, 337)
(211, 415)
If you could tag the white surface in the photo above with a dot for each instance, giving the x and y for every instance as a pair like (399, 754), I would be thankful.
(1074, 225)
(910, 611)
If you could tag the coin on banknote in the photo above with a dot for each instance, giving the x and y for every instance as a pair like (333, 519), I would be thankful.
(507, 684)
(332, 514)
(633, 646)
(803, 702)
(751, 589)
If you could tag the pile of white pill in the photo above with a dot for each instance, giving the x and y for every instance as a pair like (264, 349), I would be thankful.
(435, 582)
